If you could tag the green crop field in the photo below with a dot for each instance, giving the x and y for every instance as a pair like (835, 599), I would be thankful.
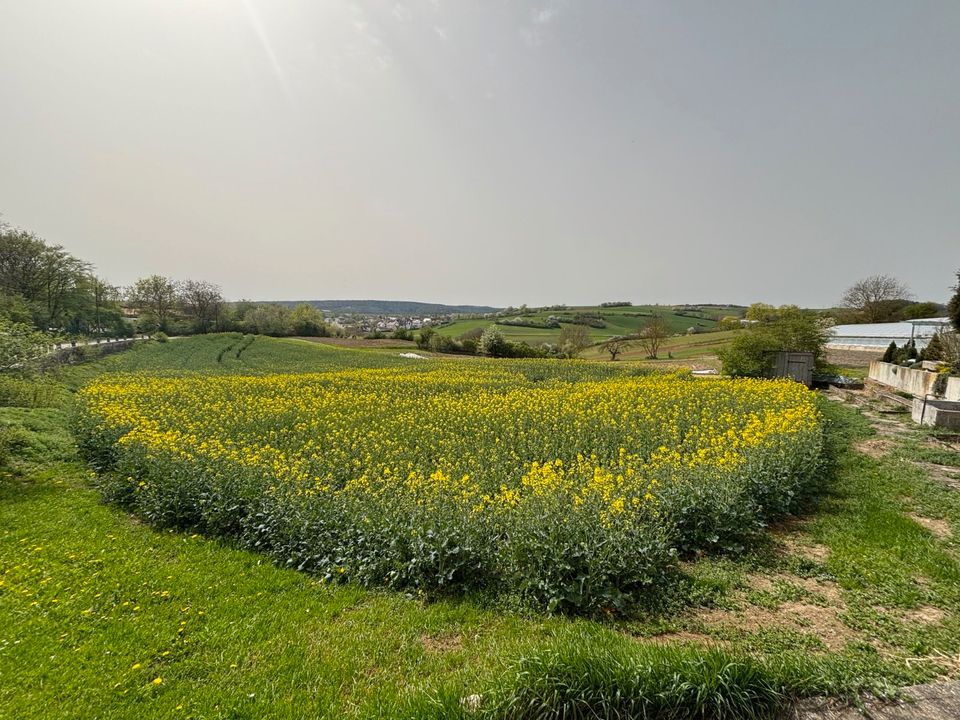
(104, 613)
(617, 321)
(683, 347)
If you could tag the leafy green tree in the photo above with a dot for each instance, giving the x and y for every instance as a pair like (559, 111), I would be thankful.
(15, 309)
(443, 344)
(953, 307)
(425, 337)
(493, 343)
(105, 299)
(915, 311)
(791, 329)
(761, 312)
(46, 278)
(307, 321)
(268, 319)
(20, 345)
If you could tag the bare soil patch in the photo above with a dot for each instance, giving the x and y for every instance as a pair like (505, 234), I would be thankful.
(816, 614)
(935, 701)
(821, 622)
(788, 533)
(927, 615)
(874, 447)
(828, 591)
(441, 643)
(940, 528)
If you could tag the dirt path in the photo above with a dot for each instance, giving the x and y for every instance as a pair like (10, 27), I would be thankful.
(933, 701)
(937, 701)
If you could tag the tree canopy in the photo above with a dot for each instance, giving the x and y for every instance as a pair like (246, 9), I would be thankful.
(790, 328)
(953, 307)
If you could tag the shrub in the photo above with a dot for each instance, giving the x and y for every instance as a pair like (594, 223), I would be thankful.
(12, 439)
(443, 344)
(28, 391)
(890, 354)
(493, 343)
(425, 337)
(21, 345)
(934, 349)
(788, 329)
(307, 321)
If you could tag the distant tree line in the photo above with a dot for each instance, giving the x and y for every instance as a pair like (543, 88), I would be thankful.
(47, 291)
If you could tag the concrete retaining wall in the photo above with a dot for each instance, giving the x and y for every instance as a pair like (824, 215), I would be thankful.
(918, 383)
(939, 413)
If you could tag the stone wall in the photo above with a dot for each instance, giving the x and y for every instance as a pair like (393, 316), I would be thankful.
(918, 383)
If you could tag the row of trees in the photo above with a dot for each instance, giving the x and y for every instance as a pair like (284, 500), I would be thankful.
(48, 288)
(573, 339)
(45, 288)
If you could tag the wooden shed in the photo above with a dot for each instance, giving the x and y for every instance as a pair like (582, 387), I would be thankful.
(795, 365)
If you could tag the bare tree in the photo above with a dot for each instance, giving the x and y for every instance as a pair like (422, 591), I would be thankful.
(201, 301)
(871, 297)
(653, 335)
(574, 339)
(617, 345)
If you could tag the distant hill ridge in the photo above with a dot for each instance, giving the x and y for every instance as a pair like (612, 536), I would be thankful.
(391, 307)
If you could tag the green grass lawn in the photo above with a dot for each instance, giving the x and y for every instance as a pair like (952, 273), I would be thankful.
(103, 616)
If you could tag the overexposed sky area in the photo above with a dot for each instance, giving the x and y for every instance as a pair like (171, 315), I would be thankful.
(489, 151)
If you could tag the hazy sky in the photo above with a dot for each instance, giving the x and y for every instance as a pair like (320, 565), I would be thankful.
(494, 151)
